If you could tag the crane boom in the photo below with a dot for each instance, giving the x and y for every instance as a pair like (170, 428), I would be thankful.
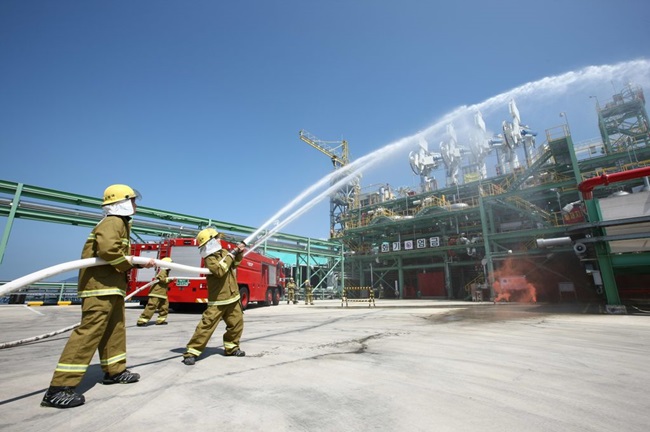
(338, 154)
(346, 196)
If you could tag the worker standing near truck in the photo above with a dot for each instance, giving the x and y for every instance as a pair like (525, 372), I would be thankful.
(102, 289)
(291, 291)
(157, 299)
(223, 297)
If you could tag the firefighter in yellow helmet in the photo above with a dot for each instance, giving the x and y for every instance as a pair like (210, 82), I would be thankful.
(309, 297)
(223, 297)
(102, 289)
(291, 291)
(157, 298)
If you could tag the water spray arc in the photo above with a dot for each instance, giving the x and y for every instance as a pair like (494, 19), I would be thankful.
(548, 86)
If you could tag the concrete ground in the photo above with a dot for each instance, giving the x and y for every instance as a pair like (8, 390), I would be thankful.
(400, 366)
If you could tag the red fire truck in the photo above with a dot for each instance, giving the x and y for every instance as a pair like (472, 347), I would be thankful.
(260, 277)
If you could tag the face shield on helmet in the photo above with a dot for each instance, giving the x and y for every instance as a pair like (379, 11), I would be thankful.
(211, 246)
(208, 242)
(118, 200)
(122, 208)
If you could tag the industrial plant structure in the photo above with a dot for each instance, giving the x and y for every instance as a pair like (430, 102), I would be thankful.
(570, 222)
(527, 234)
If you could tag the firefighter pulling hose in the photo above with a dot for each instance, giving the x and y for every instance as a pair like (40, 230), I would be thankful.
(54, 270)
(102, 290)
(31, 278)
(102, 287)
(45, 273)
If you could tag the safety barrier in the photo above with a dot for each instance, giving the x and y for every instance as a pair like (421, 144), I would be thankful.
(370, 299)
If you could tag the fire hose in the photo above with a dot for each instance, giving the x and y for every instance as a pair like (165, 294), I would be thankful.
(79, 264)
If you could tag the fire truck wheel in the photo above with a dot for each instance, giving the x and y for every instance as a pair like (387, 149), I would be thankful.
(276, 296)
(268, 297)
(243, 297)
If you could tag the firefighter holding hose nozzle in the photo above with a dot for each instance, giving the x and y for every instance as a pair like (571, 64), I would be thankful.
(223, 297)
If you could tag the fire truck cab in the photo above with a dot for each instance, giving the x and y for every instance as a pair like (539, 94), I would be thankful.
(260, 277)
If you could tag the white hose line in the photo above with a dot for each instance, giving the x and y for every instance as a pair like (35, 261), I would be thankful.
(48, 272)
(79, 264)
(87, 262)
(63, 330)
(147, 285)
(35, 338)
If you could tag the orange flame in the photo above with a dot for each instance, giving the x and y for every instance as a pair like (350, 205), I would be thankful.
(510, 283)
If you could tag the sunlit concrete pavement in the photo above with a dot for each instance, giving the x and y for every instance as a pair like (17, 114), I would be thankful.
(402, 365)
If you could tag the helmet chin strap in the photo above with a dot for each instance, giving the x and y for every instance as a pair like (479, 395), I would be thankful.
(211, 246)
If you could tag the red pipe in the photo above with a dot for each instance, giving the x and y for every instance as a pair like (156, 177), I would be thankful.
(587, 186)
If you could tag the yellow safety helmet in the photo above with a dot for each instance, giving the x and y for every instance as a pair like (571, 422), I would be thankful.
(205, 235)
(119, 192)
(166, 259)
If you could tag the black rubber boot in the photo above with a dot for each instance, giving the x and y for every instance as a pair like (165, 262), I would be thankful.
(189, 360)
(62, 397)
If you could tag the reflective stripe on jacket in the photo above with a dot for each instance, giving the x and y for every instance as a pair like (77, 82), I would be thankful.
(222, 280)
(161, 285)
(109, 240)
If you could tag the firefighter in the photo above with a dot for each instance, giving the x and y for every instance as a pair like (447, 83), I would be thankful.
(291, 291)
(102, 289)
(157, 299)
(223, 297)
(309, 297)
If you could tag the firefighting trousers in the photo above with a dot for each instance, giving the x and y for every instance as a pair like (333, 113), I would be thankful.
(102, 328)
(291, 296)
(155, 304)
(232, 315)
(309, 297)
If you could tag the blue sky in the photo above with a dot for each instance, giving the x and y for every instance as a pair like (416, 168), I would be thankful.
(198, 104)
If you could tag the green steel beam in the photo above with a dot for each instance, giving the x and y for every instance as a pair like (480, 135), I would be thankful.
(149, 221)
(10, 220)
(631, 260)
(603, 256)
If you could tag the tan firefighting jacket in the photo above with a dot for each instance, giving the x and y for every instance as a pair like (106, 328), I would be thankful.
(222, 280)
(161, 285)
(109, 240)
